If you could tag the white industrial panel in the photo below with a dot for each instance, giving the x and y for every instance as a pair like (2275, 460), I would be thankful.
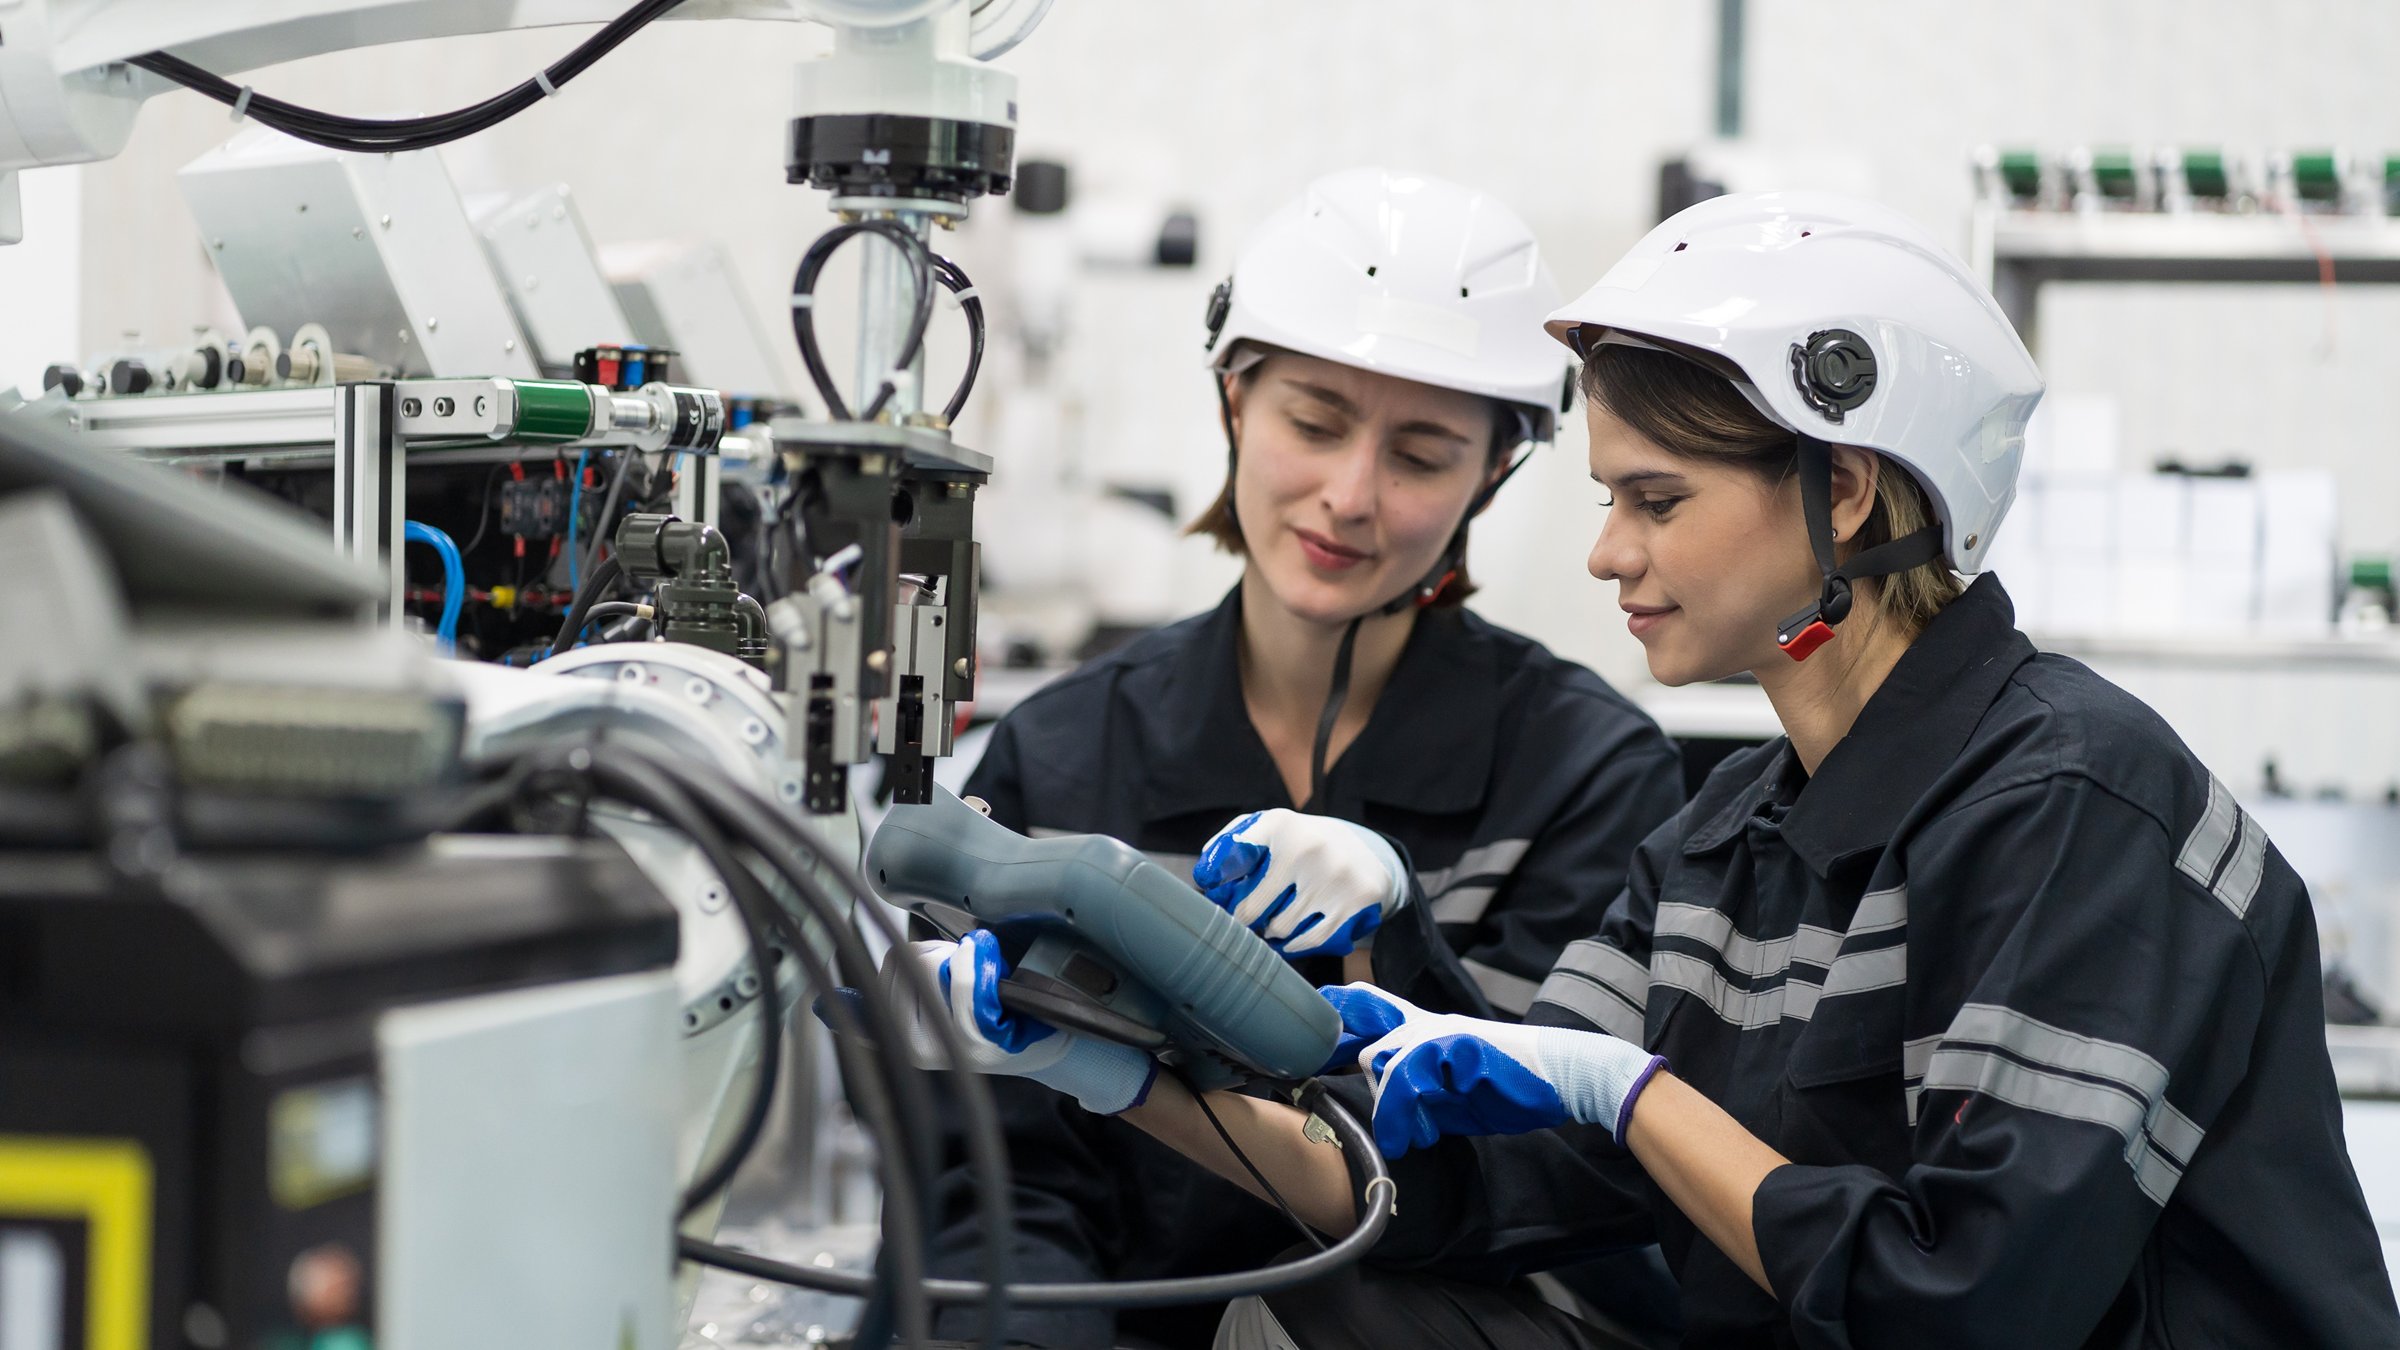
(528, 1188)
(686, 296)
(544, 257)
(377, 248)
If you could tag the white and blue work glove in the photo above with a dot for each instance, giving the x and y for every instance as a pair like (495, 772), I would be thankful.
(1439, 1074)
(1309, 885)
(1103, 1075)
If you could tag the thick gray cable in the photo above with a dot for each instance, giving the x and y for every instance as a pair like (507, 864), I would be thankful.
(1374, 1216)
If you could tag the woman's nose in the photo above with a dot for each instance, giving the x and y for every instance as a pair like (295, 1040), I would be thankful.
(1350, 481)
(1613, 557)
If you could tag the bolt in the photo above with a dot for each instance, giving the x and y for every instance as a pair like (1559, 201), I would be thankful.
(960, 665)
(410, 407)
(509, 345)
(443, 407)
(217, 244)
(878, 660)
(358, 231)
(696, 690)
(754, 731)
(386, 222)
(632, 674)
(433, 325)
(533, 283)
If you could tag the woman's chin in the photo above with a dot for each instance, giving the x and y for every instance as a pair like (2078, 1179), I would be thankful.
(1319, 599)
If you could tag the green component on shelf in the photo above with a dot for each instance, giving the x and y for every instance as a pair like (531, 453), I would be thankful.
(2318, 176)
(2371, 573)
(2021, 172)
(552, 410)
(2113, 171)
(2204, 172)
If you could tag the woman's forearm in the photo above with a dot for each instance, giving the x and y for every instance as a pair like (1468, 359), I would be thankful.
(1312, 1177)
(1707, 1164)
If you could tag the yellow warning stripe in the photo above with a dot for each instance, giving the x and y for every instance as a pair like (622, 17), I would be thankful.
(107, 1184)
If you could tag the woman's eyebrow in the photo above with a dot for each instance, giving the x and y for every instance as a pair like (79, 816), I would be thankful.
(1640, 476)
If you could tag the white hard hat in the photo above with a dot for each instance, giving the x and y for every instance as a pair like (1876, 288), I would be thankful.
(1850, 325)
(1403, 275)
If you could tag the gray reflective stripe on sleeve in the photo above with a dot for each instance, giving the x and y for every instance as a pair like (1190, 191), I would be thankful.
(1602, 984)
(2133, 1102)
(2029, 1038)
(1510, 993)
(1495, 859)
(1746, 954)
(1747, 1009)
(2174, 1131)
(1879, 911)
(1915, 1057)
(1463, 904)
(1994, 1075)
(2239, 886)
(1594, 1002)
(2206, 843)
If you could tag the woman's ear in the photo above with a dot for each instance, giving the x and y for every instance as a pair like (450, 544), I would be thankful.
(1854, 472)
(1235, 388)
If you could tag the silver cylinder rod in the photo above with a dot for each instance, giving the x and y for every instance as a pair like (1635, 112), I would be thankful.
(887, 296)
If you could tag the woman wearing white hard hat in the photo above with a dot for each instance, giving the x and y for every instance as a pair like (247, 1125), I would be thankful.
(1971, 1011)
(1379, 354)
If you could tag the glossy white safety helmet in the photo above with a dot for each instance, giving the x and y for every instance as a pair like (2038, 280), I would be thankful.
(1403, 275)
(1844, 321)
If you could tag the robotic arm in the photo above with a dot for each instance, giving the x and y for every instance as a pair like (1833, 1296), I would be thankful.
(69, 93)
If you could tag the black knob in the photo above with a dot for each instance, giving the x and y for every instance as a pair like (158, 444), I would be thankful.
(129, 377)
(209, 369)
(1835, 371)
(63, 377)
(1041, 187)
(1179, 240)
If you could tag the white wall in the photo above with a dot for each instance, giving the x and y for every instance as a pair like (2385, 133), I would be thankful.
(1565, 106)
(40, 300)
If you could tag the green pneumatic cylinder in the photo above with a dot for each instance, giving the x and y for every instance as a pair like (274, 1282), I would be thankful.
(553, 410)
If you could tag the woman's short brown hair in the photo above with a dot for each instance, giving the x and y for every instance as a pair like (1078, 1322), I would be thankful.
(1692, 412)
(1218, 521)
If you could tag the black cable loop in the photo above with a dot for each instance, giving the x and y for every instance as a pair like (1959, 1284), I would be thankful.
(804, 321)
(955, 278)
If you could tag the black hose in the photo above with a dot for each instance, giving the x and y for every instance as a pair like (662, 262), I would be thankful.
(367, 135)
(595, 584)
(608, 505)
(653, 783)
(955, 278)
(804, 323)
(1374, 1216)
(772, 832)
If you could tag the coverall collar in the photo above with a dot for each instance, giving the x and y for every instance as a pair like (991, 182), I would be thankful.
(1427, 745)
(1910, 731)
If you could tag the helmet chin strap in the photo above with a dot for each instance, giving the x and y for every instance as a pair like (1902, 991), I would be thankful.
(1811, 628)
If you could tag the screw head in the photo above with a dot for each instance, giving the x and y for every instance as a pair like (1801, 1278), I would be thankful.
(385, 221)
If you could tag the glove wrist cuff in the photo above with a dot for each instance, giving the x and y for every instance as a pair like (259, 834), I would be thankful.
(1624, 1120)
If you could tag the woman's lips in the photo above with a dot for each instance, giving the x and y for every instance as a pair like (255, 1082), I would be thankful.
(1639, 622)
(1325, 555)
